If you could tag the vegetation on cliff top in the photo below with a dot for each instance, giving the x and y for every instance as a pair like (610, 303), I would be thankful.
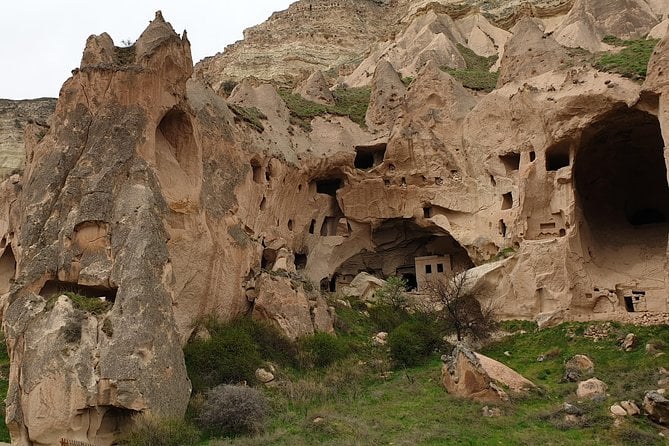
(477, 74)
(631, 60)
(350, 102)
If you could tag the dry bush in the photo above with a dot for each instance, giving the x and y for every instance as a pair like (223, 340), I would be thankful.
(233, 410)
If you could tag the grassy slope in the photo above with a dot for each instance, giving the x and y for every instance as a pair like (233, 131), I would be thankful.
(4, 384)
(411, 407)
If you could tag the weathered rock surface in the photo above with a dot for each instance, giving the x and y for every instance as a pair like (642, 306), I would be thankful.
(14, 116)
(289, 308)
(175, 204)
(591, 389)
(656, 405)
(472, 375)
(315, 88)
(578, 367)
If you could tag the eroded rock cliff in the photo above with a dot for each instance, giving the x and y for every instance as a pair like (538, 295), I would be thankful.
(172, 202)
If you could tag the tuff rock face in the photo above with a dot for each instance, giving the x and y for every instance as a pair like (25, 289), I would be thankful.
(172, 203)
(15, 116)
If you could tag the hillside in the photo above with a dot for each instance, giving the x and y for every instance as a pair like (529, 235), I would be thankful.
(169, 218)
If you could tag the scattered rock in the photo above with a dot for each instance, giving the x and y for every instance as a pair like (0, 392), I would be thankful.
(264, 376)
(363, 286)
(491, 412)
(591, 389)
(629, 342)
(578, 367)
(380, 338)
(630, 407)
(570, 409)
(656, 405)
(618, 411)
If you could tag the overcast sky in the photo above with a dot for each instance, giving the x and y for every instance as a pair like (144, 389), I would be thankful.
(43, 39)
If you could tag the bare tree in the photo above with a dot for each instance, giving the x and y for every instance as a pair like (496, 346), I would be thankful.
(460, 309)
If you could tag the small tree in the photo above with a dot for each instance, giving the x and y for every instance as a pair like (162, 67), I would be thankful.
(392, 292)
(462, 311)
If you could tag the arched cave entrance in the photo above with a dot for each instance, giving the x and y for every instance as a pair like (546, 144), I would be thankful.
(177, 155)
(404, 248)
(621, 189)
(7, 269)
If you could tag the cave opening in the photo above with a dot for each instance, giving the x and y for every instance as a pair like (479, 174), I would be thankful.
(621, 190)
(558, 156)
(399, 248)
(511, 161)
(329, 186)
(57, 287)
(367, 157)
(7, 269)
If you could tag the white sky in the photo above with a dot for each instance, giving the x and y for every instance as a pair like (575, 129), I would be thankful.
(44, 39)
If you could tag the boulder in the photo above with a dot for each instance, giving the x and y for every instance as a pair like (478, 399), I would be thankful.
(475, 376)
(618, 411)
(629, 342)
(264, 376)
(578, 367)
(364, 285)
(380, 338)
(290, 308)
(591, 389)
(630, 407)
(656, 405)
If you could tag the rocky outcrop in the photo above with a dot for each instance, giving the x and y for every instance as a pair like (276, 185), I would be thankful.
(297, 312)
(386, 99)
(174, 204)
(92, 224)
(475, 376)
(589, 21)
(14, 117)
(656, 405)
(315, 88)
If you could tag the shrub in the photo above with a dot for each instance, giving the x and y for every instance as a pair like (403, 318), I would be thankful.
(631, 61)
(234, 351)
(272, 344)
(392, 292)
(229, 356)
(150, 430)
(412, 342)
(477, 74)
(387, 317)
(233, 410)
(323, 349)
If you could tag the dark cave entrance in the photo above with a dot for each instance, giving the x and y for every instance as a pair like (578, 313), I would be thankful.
(620, 180)
(620, 173)
(398, 243)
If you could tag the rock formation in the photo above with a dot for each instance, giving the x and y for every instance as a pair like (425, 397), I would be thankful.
(14, 117)
(159, 202)
(475, 376)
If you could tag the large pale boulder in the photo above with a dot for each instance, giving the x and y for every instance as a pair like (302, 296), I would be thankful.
(363, 285)
(290, 308)
(591, 389)
(475, 376)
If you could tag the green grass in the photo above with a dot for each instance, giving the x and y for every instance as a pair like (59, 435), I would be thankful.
(631, 61)
(477, 74)
(358, 402)
(91, 305)
(250, 115)
(4, 385)
(350, 102)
